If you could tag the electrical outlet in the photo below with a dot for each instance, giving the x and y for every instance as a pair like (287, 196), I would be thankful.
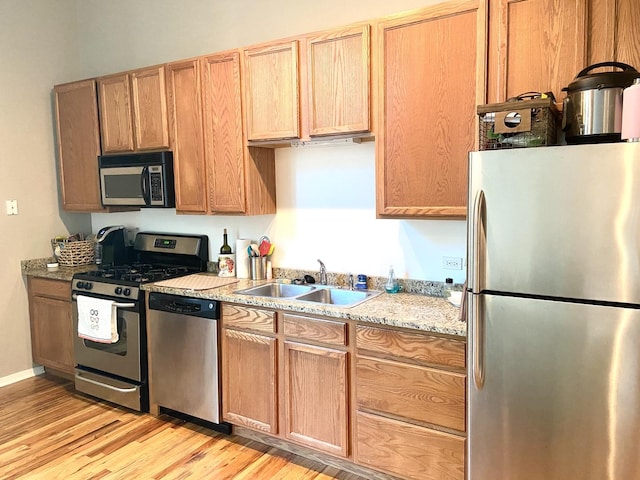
(12, 207)
(452, 263)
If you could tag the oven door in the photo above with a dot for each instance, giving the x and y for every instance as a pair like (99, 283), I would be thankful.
(122, 358)
(124, 186)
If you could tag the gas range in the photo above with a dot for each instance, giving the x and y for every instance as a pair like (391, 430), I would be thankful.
(156, 257)
(117, 371)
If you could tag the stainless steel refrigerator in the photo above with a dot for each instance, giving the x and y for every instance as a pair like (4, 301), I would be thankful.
(554, 313)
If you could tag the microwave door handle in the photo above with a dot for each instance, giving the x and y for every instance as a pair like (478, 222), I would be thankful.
(144, 185)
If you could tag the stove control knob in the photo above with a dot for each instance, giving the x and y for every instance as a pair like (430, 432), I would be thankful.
(127, 291)
(80, 285)
(118, 290)
(88, 285)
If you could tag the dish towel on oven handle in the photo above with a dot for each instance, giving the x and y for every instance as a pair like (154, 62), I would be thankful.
(97, 319)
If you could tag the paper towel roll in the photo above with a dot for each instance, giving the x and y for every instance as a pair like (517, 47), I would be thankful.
(631, 112)
(242, 258)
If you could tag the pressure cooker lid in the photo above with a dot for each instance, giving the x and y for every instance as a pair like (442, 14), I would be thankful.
(590, 81)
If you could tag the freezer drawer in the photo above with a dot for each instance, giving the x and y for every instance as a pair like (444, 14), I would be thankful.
(554, 390)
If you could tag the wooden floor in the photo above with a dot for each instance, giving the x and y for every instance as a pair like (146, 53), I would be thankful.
(47, 431)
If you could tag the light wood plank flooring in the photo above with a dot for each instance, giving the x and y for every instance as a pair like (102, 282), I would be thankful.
(47, 431)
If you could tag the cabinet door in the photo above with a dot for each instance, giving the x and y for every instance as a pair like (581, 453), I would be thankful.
(431, 78)
(535, 45)
(338, 82)
(51, 324)
(249, 381)
(613, 32)
(272, 91)
(223, 133)
(316, 399)
(78, 135)
(114, 94)
(150, 109)
(186, 130)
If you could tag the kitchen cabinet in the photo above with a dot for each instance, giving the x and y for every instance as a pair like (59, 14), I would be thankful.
(535, 45)
(78, 144)
(316, 385)
(430, 78)
(133, 111)
(337, 81)
(184, 99)
(240, 179)
(249, 368)
(51, 324)
(271, 85)
(410, 401)
(613, 32)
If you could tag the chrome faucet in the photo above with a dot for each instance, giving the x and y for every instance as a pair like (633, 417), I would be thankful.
(323, 273)
(350, 280)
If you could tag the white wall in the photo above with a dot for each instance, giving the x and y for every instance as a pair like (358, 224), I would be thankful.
(326, 196)
(37, 50)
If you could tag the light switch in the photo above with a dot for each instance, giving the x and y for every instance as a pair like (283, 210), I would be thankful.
(12, 207)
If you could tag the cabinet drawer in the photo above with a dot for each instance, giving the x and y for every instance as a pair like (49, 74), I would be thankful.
(326, 331)
(408, 450)
(412, 346)
(44, 287)
(410, 391)
(245, 318)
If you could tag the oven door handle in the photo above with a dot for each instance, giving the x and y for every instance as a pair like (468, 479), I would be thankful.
(116, 304)
(104, 385)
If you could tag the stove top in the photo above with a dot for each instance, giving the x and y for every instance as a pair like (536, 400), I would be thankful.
(137, 273)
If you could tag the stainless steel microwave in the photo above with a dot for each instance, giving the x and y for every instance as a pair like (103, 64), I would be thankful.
(137, 180)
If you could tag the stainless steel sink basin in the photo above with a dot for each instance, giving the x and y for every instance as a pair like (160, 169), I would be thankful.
(338, 296)
(276, 290)
(307, 293)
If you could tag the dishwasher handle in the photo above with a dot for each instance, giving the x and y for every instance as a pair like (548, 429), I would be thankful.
(189, 306)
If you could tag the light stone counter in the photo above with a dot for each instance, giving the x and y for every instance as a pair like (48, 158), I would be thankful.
(407, 310)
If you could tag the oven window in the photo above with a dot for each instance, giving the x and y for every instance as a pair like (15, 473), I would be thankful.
(118, 348)
(122, 186)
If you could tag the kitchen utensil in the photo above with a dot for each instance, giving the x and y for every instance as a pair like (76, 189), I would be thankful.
(593, 107)
(255, 250)
(264, 248)
(271, 249)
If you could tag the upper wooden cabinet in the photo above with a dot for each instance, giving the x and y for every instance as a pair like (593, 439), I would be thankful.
(613, 32)
(338, 81)
(186, 129)
(430, 76)
(535, 45)
(271, 85)
(133, 111)
(240, 179)
(78, 142)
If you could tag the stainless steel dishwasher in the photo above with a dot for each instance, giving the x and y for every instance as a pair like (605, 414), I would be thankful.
(183, 355)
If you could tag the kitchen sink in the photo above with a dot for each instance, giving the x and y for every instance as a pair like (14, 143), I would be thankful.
(307, 293)
(338, 296)
(276, 290)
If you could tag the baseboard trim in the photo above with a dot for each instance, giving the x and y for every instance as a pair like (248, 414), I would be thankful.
(16, 377)
(342, 464)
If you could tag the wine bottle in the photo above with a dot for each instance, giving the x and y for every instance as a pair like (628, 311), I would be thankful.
(225, 248)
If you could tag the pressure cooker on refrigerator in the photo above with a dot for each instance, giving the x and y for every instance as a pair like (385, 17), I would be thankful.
(593, 107)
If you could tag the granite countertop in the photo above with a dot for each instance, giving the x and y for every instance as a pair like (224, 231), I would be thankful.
(408, 310)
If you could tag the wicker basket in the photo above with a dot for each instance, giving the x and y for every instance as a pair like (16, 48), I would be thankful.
(537, 124)
(80, 252)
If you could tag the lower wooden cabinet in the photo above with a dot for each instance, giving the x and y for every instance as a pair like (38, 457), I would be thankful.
(51, 324)
(316, 397)
(410, 403)
(249, 366)
(408, 450)
(388, 399)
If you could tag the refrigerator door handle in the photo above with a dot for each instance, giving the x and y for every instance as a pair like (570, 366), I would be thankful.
(478, 254)
(477, 329)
